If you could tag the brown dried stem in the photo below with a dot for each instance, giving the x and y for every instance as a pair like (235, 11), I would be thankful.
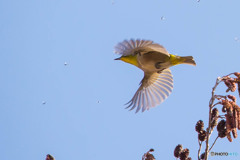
(229, 74)
(213, 144)
(211, 105)
(216, 104)
(199, 150)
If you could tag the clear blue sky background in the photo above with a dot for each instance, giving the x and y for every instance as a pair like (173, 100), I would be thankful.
(84, 115)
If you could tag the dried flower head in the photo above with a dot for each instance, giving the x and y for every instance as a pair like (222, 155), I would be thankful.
(199, 126)
(202, 135)
(184, 154)
(178, 150)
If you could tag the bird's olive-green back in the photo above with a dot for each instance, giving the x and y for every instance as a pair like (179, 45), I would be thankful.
(153, 56)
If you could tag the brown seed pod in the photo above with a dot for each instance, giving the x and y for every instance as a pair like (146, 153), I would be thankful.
(184, 154)
(226, 104)
(178, 150)
(202, 156)
(215, 113)
(151, 150)
(235, 118)
(238, 88)
(229, 136)
(233, 98)
(230, 108)
(214, 117)
(221, 128)
(234, 132)
(199, 126)
(222, 133)
(224, 109)
(149, 156)
(229, 122)
(189, 158)
(229, 82)
(237, 74)
(202, 135)
(49, 157)
(234, 87)
(214, 123)
(221, 125)
(238, 119)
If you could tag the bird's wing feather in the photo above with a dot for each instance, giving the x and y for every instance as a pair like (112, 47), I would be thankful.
(154, 89)
(132, 47)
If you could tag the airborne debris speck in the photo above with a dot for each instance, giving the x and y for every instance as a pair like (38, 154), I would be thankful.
(43, 102)
(236, 39)
(65, 63)
(162, 18)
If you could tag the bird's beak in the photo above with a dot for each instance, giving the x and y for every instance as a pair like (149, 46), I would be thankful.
(118, 58)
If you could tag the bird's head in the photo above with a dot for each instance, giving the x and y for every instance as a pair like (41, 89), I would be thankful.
(132, 59)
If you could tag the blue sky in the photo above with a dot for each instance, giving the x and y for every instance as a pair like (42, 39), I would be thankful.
(84, 115)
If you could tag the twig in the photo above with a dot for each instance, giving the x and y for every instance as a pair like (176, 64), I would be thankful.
(216, 104)
(228, 74)
(211, 102)
(213, 144)
(199, 150)
(222, 116)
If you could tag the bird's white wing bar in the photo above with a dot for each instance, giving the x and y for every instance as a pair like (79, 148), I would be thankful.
(154, 89)
(130, 47)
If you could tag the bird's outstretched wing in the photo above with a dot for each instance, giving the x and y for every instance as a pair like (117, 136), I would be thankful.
(154, 89)
(133, 47)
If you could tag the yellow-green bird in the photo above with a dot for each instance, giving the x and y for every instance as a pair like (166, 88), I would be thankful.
(155, 61)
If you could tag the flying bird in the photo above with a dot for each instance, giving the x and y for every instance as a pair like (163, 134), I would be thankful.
(155, 61)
